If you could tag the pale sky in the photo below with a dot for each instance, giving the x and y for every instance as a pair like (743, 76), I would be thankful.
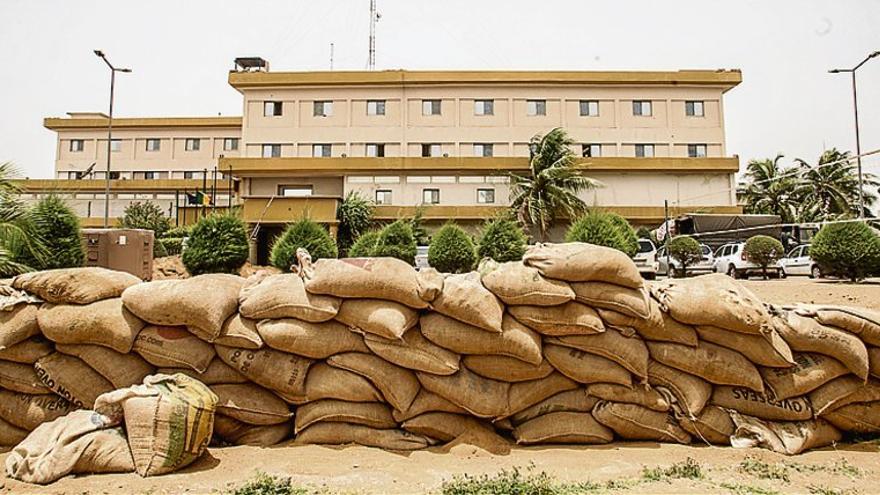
(180, 52)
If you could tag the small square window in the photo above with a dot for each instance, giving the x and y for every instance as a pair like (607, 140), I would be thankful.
(192, 175)
(694, 108)
(321, 150)
(295, 191)
(113, 175)
(696, 150)
(323, 109)
(485, 196)
(644, 150)
(376, 107)
(589, 108)
(430, 107)
(271, 150)
(431, 150)
(77, 145)
(642, 108)
(151, 175)
(484, 107)
(383, 197)
(193, 144)
(591, 150)
(116, 145)
(272, 108)
(483, 149)
(431, 196)
(536, 107)
(376, 150)
(230, 144)
(153, 144)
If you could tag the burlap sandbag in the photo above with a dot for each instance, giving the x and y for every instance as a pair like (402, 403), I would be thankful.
(202, 303)
(171, 347)
(312, 340)
(18, 324)
(571, 318)
(386, 319)
(22, 378)
(805, 334)
(629, 352)
(217, 373)
(239, 433)
(862, 418)
(284, 296)
(480, 396)
(763, 406)
(10, 434)
(874, 361)
(71, 378)
(372, 414)
(251, 404)
(712, 426)
(810, 372)
(444, 426)
(784, 437)
(716, 300)
(626, 300)
(380, 278)
(239, 332)
(280, 372)
(841, 392)
(713, 363)
(121, 370)
(328, 382)
(430, 283)
(767, 349)
(466, 299)
(27, 351)
(427, 402)
(861, 321)
(563, 427)
(516, 340)
(506, 369)
(414, 352)
(523, 395)
(345, 433)
(75, 285)
(633, 422)
(690, 392)
(399, 386)
(585, 367)
(27, 411)
(581, 262)
(105, 323)
(639, 394)
(575, 400)
(517, 284)
(657, 326)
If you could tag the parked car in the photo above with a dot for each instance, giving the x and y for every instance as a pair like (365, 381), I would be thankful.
(646, 259)
(799, 262)
(732, 260)
(422, 257)
(705, 265)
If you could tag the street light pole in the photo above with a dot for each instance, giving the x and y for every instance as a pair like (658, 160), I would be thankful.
(856, 114)
(113, 71)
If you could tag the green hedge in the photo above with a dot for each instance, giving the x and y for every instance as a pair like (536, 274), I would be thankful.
(217, 244)
(604, 229)
(397, 241)
(686, 250)
(502, 240)
(171, 245)
(763, 251)
(452, 250)
(58, 226)
(302, 234)
(850, 250)
(364, 245)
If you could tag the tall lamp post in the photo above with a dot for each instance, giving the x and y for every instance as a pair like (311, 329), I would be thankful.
(856, 112)
(113, 71)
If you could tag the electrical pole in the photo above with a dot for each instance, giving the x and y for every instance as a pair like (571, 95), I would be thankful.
(668, 230)
(374, 16)
(331, 56)
(113, 71)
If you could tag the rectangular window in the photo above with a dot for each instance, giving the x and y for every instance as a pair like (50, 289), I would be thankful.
(151, 175)
(193, 144)
(591, 150)
(644, 150)
(536, 107)
(642, 108)
(321, 150)
(430, 107)
(589, 108)
(376, 150)
(484, 107)
(294, 191)
(116, 145)
(697, 150)
(323, 109)
(430, 150)
(271, 150)
(485, 196)
(431, 196)
(376, 107)
(693, 108)
(153, 144)
(383, 197)
(77, 145)
(271, 109)
(192, 175)
(230, 144)
(483, 149)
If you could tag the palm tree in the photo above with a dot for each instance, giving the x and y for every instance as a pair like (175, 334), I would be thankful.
(17, 238)
(830, 189)
(551, 188)
(770, 189)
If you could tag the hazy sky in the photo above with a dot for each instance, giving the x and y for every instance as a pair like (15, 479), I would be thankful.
(181, 51)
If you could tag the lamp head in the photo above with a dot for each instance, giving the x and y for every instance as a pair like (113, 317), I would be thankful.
(834, 71)
(124, 70)
(874, 54)
(99, 53)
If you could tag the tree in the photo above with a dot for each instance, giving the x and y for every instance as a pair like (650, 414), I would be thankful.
(770, 190)
(147, 216)
(365, 245)
(452, 250)
(550, 189)
(830, 189)
(58, 226)
(600, 228)
(305, 234)
(763, 251)
(396, 240)
(502, 240)
(217, 244)
(355, 215)
(848, 249)
(686, 250)
(20, 244)
(627, 234)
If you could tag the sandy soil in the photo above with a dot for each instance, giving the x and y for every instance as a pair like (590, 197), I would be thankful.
(803, 289)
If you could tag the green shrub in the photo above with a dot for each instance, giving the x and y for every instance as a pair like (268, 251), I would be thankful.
(302, 234)
(686, 250)
(58, 226)
(355, 215)
(627, 234)
(763, 251)
(364, 245)
(171, 245)
(602, 229)
(850, 250)
(217, 244)
(502, 240)
(452, 250)
(147, 216)
(177, 232)
(396, 240)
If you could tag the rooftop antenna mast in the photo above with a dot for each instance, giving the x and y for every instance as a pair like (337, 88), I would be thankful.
(331, 56)
(374, 18)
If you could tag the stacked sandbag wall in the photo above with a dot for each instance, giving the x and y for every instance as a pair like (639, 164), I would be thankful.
(566, 346)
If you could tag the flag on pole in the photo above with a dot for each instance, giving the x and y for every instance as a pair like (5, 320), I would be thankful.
(198, 198)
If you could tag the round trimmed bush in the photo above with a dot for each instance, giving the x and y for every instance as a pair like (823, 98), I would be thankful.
(58, 226)
(217, 244)
(452, 250)
(171, 245)
(602, 229)
(396, 240)
(355, 215)
(850, 250)
(502, 240)
(306, 234)
(763, 251)
(364, 245)
(627, 234)
(686, 250)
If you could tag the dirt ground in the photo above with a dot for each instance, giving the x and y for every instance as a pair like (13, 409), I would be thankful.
(845, 469)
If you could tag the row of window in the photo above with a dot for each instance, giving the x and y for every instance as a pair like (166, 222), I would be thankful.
(588, 108)
(147, 175)
(430, 196)
(155, 144)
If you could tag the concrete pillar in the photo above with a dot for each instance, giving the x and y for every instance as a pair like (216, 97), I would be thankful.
(334, 231)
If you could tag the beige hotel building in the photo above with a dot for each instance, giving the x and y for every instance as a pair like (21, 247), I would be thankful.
(441, 140)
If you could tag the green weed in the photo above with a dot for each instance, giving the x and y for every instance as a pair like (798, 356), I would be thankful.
(762, 470)
(689, 469)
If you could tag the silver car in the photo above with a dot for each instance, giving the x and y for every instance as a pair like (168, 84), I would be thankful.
(703, 266)
(646, 259)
